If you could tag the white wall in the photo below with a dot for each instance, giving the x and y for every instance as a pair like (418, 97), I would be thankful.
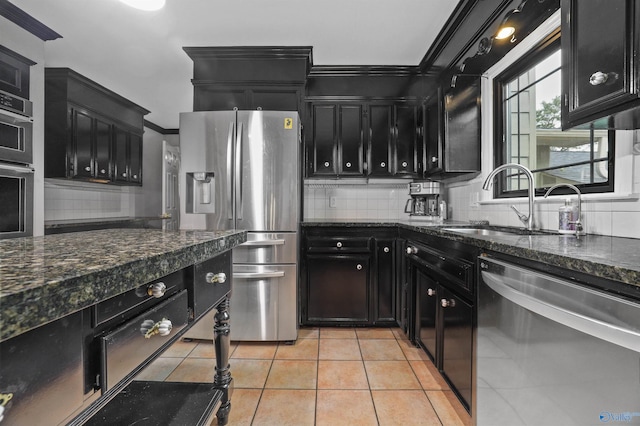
(26, 44)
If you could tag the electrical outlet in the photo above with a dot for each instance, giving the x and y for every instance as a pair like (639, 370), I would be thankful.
(332, 202)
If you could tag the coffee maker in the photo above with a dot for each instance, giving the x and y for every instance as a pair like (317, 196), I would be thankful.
(425, 202)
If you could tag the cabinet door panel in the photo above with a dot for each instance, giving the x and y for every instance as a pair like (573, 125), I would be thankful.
(103, 149)
(380, 140)
(338, 288)
(351, 140)
(408, 152)
(426, 312)
(135, 158)
(385, 305)
(457, 343)
(83, 144)
(324, 139)
(595, 52)
(120, 154)
(434, 130)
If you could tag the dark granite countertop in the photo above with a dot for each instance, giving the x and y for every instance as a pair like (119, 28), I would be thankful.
(45, 278)
(613, 258)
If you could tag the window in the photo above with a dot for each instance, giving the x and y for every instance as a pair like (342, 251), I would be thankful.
(528, 130)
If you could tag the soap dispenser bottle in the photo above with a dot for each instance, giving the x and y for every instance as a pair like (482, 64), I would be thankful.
(566, 218)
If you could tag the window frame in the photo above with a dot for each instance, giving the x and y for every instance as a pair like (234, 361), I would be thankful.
(534, 55)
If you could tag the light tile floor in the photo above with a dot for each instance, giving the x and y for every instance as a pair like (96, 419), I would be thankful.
(330, 376)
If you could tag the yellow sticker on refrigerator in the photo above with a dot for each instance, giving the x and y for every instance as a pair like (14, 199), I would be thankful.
(288, 123)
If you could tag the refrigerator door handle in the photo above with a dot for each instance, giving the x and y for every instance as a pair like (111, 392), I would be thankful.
(230, 201)
(239, 163)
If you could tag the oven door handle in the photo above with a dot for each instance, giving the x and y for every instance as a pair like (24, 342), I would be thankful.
(603, 330)
(258, 275)
(17, 169)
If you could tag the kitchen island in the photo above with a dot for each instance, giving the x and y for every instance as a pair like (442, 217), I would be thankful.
(67, 300)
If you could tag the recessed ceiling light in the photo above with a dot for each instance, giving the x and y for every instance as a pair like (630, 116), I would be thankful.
(145, 4)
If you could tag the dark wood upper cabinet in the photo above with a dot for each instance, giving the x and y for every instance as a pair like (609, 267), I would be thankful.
(350, 140)
(408, 158)
(381, 132)
(323, 140)
(600, 41)
(91, 133)
(433, 116)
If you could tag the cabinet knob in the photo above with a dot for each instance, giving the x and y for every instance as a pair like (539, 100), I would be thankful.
(434, 159)
(412, 250)
(135, 176)
(103, 171)
(212, 278)
(156, 289)
(150, 328)
(339, 244)
(359, 267)
(88, 169)
(447, 303)
(383, 164)
(326, 164)
(124, 175)
(386, 250)
(598, 78)
(404, 164)
(431, 292)
(348, 164)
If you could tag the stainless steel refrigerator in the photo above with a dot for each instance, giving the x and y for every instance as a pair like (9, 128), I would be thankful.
(242, 170)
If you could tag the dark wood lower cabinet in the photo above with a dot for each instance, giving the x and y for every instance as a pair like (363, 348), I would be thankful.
(457, 342)
(338, 288)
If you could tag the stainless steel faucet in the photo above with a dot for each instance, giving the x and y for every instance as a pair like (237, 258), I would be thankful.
(527, 220)
(578, 221)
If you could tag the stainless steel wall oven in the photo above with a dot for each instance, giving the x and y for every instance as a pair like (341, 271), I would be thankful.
(16, 171)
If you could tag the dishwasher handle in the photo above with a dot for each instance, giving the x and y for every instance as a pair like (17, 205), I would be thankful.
(601, 329)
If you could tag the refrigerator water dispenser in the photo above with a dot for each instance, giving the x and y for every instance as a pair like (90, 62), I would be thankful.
(200, 196)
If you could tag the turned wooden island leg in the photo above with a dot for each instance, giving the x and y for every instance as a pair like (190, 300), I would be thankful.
(223, 379)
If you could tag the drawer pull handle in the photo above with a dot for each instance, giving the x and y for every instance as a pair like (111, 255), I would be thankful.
(598, 78)
(264, 243)
(431, 292)
(150, 328)
(447, 303)
(157, 289)
(412, 250)
(212, 278)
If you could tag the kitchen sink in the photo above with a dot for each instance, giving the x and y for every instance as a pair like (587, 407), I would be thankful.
(489, 232)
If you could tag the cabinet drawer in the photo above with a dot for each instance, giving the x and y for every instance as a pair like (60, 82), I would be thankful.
(211, 281)
(121, 305)
(338, 245)
(459, 271)
(124, 349)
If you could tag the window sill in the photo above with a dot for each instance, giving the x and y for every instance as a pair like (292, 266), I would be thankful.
(586, 198)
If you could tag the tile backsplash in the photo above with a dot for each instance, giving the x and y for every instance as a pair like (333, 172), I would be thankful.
(65, 200)
(355, 201)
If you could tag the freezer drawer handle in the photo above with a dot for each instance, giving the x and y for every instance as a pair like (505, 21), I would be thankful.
(264, 243)
(258, 275)
(212, 278)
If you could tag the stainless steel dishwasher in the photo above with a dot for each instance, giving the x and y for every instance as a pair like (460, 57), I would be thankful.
(552, 352)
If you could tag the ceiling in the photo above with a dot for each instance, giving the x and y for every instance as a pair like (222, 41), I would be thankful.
(139, 54)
